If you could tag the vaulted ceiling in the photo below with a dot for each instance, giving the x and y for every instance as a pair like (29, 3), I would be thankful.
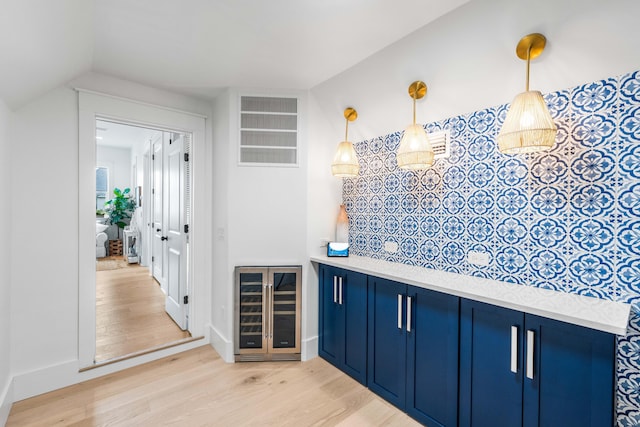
(197, 47)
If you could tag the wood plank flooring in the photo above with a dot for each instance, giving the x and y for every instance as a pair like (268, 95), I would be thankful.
(197, 388)
(130, 315)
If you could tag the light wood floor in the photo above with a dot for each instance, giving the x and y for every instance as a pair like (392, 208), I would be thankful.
(130, 315)
(197, 388)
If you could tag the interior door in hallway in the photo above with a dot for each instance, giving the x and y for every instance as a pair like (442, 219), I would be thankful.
(158, 246)
(176, 209)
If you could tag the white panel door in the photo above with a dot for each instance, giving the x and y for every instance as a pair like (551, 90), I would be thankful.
(176, 262)
(157, 217)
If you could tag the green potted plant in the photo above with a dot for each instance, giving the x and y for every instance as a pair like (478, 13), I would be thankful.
(120, 208)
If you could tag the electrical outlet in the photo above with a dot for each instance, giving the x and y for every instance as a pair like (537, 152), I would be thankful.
(478, 258)
(324, 242)
(391, 247)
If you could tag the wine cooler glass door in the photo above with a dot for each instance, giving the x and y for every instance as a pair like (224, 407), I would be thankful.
(284, 288)
(252, 331)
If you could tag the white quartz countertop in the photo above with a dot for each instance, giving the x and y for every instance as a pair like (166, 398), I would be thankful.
(603, 315)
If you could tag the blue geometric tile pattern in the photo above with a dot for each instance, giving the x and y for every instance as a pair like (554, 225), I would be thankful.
(567, 219)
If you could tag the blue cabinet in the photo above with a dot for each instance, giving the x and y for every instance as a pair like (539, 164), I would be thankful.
(518, 369)
(413, 350)
(450, 361)
(343, 320)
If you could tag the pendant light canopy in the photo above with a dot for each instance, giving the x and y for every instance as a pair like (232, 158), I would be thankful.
(528, 126)
(415, 152)
(345, 162)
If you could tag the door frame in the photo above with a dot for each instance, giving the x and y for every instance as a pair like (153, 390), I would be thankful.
(91, 106)
(158, 195)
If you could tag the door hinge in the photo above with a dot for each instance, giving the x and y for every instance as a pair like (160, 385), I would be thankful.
(185, 299)
(170, 141)
(153, 157)
(186, 228)
(186, 157)
(153, 259)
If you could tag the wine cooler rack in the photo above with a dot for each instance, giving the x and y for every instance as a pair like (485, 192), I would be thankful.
(267, 313)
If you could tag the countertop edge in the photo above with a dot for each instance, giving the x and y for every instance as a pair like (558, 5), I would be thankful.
(607, 316)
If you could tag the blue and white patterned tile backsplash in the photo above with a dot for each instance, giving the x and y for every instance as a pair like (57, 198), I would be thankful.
(567, 219)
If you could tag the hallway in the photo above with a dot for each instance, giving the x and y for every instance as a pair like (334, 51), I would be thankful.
(130, 314)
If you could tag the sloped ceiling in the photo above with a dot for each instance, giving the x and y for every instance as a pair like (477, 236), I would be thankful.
(197, 47)
(42, 45)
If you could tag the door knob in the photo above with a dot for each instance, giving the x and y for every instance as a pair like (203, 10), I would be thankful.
(158, 230)
(164, 238)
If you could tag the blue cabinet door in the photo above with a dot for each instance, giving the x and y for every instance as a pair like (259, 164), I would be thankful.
(432, 357)
(342, 327)
(573, 382)
(354, 307)
(490, 390)
(559, 374)
(386, 369)
(331, 319)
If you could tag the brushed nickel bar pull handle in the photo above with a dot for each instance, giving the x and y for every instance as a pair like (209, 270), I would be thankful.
(271, 313)
(514, 349)
(530, 343)
(408, 314)
(399, 311)
(340, 291)
(335, 289)
(265, 297)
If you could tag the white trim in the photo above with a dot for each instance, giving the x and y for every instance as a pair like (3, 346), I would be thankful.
(222, 345)
(44, 380)
(309, 348)
(148, 104)
(92, 105)
(6, 400)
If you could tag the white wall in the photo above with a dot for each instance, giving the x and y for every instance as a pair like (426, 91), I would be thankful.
(324, 199)
(44, 278)
(260, 213)
(467, 59)
(118, 161)
(5, 267)
(221, 295)
(44, 219)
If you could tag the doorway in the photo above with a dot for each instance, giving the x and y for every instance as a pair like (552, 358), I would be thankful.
(142, 203)
(193, 265)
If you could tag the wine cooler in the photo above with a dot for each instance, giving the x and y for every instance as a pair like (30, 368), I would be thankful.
(267, 313)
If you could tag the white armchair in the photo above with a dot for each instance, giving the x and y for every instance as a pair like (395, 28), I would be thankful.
(101, 240)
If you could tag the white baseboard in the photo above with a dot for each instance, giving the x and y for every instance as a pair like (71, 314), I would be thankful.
(44, 380)
(6, 400)
(309, 348)
(222, 345)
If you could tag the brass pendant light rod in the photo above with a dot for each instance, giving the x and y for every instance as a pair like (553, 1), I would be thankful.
(526, 86)
(530, 47)
(346, 131)
(417, 90)
(350, 114)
